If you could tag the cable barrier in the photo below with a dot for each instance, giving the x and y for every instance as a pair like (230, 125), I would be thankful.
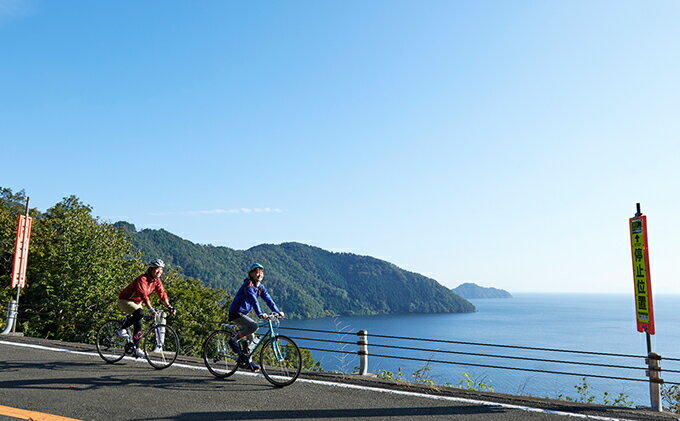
(411, 353)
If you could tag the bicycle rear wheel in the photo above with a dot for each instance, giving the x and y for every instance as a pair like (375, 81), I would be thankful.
(161, 346)
(218, 357)
(280, 361)
(110, 346)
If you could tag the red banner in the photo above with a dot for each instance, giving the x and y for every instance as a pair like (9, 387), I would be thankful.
(21, 252)
(644, 308)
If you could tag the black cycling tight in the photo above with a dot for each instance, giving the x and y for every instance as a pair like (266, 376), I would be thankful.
(136, 319)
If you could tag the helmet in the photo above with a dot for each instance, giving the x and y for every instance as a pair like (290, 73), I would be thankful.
(255, 266)
(156, 263)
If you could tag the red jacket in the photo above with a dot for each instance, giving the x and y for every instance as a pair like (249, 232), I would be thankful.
(140, 289)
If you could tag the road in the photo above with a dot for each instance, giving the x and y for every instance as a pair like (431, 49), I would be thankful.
(77, 384)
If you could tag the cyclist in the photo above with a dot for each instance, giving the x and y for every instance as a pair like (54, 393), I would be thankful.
(137, 292)
(244, 301)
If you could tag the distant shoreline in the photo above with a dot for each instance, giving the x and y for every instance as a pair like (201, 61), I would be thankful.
(656, 294)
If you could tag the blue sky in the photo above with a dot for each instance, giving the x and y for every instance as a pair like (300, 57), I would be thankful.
(504, 143)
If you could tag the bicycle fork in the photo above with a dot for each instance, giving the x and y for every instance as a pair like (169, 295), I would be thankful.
(277, 351)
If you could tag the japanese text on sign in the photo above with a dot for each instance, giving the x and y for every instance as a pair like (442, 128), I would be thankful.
(644, 309)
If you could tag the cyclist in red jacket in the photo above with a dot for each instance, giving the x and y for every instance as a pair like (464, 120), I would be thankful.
(132, 297)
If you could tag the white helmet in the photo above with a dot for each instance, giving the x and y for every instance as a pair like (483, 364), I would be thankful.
(156, 263)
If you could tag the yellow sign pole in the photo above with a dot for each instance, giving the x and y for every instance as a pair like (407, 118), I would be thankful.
(644, 308)
(642, 282)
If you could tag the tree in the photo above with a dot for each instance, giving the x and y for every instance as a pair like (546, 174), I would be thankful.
(77, 267)
(200, 310)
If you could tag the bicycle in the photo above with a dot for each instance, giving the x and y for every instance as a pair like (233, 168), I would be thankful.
(159, 342)
(279, 356)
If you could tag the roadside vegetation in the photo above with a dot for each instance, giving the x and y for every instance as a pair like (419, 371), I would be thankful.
(583, 392)
(670, 395)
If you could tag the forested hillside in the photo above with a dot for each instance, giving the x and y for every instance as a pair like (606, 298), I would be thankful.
(471, 290)
(306, 281)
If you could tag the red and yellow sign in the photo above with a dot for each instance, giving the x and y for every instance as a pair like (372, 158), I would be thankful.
(644, 308)
(21, 252)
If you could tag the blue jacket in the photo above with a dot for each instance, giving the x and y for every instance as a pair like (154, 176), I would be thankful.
(246, 299)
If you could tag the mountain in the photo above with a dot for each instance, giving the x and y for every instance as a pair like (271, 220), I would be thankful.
(469, 290)
(305, 281)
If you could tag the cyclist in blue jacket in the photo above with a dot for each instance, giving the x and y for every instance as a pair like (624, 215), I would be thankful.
(245, 301)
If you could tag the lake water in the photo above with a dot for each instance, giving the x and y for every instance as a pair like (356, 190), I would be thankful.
(597, 322)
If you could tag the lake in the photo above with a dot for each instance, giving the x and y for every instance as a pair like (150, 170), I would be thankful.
(581, 322)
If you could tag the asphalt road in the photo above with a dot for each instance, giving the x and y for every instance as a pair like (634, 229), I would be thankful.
(82, 386)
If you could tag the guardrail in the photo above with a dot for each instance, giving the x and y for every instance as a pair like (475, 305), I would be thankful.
(650, 372)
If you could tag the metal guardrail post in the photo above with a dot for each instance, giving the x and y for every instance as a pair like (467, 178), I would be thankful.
(653, 362)
(363, 352)
(12, 309)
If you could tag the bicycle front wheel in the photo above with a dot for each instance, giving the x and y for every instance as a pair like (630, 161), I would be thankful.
(280, 361)
(110, 346)
(218, 357)
(161, 346)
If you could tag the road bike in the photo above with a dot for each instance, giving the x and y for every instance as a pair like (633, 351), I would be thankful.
(279, 356)
(159, 342)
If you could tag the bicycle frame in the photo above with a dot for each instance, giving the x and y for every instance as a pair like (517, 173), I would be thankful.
(269, 335)
(160, 331)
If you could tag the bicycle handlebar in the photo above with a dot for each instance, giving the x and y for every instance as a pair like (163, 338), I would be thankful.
(274, 316)
(148, 316)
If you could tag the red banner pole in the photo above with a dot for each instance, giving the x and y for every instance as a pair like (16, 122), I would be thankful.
(23, 263)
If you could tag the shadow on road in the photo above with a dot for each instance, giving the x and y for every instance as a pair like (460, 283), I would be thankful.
(335, 413)
(93, 383)
(7, 366)
(99, 375)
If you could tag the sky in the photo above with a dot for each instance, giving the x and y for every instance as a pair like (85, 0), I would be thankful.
(496, 142)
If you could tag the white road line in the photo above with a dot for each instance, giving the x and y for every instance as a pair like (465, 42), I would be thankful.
(349, 386)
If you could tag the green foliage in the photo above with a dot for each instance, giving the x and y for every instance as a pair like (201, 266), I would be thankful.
(584, 395)
(583, 391)
(621, 400)
(306, 281)
(388, 375)
(470, 384)
(670, 395)
(420, 375)
(200, 309)
(308, 362)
